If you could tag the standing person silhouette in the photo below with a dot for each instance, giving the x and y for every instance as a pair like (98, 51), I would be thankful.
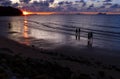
(76, 33)
(90, 39)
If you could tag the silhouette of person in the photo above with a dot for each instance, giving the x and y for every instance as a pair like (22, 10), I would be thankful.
(76, 33)
(90, 39)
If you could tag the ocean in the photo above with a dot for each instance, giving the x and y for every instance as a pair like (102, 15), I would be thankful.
(52, 31)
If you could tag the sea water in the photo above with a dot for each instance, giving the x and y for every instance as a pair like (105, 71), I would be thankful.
(51, 31)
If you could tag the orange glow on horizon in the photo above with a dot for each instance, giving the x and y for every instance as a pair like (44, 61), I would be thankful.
(41, 13)
(37, 13)
(50, 13)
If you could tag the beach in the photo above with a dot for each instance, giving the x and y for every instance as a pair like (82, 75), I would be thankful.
(35, 47)
(85, 63)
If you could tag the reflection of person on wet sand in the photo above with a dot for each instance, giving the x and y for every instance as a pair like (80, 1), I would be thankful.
(79, 34)
(9, 25)
(90, 39)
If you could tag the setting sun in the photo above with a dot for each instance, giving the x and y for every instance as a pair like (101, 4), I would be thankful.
(26, 13)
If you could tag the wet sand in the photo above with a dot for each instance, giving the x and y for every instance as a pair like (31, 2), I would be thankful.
(86, 63)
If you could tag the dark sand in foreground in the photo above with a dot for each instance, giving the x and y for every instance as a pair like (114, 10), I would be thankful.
(84, 63)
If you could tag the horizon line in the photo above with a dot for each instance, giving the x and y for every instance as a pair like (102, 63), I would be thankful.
(50, 13)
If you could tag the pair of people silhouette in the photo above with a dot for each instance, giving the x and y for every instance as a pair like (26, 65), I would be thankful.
(90, 37)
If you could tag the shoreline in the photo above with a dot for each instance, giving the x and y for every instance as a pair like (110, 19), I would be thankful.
(84, 60)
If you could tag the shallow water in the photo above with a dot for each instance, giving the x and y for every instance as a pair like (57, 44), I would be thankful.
(52, 31)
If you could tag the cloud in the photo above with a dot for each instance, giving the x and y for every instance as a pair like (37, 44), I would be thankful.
(25, 1)
(5, 2)
(115, 6)
(107, 0)
(66, 5)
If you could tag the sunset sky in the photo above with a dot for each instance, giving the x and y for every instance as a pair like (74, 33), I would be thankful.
(114, 1)
(66, 5)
